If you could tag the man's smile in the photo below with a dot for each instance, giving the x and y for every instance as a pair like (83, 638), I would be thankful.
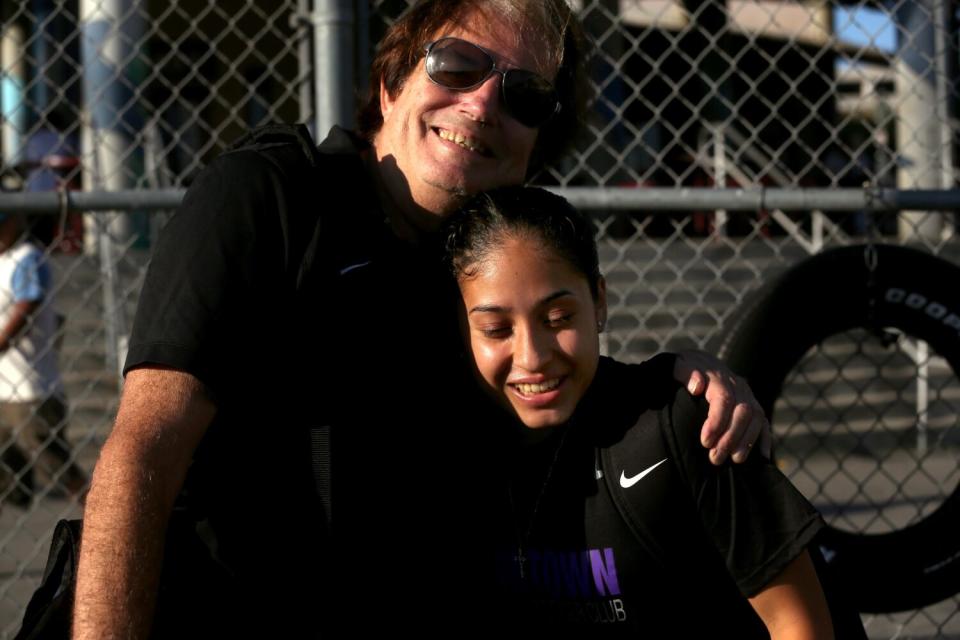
(465, 141)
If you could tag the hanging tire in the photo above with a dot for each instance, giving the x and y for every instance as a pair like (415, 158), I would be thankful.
(830, 293)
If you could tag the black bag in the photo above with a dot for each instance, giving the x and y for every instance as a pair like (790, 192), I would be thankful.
(194, 586)
(48, 613)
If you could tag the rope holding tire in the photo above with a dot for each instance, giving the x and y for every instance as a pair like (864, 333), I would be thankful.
(836, 291)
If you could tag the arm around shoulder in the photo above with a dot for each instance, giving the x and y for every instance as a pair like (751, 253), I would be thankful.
(163, 415)
(735, 421)
(792, 605)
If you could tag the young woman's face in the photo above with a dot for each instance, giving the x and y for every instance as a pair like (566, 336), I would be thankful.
(532, 328)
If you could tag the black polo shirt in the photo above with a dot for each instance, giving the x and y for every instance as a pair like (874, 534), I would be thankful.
(281, 288)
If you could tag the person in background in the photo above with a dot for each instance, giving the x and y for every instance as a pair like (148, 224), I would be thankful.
(33, 409)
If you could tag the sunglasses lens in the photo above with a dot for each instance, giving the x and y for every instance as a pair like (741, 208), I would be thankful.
(529, 97)
(456, 64)
(459, 65)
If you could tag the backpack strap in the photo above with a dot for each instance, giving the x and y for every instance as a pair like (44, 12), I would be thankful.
(320, 465)
(275, 134)
(264, 137)
(640, 442)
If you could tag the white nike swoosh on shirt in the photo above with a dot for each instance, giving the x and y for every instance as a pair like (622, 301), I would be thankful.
(347, 270)
(626, 482)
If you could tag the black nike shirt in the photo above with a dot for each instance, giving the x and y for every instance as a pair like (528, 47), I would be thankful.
(713, 536)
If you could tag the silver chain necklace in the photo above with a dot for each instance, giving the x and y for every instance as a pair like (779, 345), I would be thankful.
(523, 536)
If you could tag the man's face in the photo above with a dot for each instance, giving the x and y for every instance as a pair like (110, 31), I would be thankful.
(448, 144)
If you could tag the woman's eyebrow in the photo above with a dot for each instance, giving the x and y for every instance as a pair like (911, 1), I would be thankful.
(488, 308)
(494, 308)
(556, 294)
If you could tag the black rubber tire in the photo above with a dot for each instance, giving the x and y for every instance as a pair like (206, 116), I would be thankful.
(828, 294)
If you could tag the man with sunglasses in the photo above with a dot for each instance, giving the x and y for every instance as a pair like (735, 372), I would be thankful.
(465, 96)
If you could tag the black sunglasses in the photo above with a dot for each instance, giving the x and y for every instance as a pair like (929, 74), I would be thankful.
(459, 65)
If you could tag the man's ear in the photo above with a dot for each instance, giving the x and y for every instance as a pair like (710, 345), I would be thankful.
(601, 304)
(386, 101)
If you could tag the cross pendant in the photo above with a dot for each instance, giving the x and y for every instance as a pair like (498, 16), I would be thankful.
(521, 562)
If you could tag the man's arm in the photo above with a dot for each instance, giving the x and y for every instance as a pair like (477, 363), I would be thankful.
(17, 322)
(162, 416)
(735, 420)
(30, 282)
(792, 605)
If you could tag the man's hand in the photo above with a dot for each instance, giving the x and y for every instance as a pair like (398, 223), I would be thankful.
(735, 421)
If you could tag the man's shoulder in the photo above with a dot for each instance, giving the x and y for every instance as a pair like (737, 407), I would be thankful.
(24, 250)
(291, 148)
(274, 169)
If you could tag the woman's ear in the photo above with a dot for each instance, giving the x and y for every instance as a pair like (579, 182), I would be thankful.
(601, 304)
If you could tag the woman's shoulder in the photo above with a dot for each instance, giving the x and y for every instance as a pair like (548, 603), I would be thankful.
(625, 393)
(649, 384)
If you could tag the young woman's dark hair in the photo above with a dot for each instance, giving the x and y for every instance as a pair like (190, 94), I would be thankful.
(483, 222)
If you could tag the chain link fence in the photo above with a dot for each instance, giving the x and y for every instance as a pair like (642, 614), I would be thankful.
(804, 120)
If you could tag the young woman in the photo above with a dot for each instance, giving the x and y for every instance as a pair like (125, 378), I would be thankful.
(703, 549)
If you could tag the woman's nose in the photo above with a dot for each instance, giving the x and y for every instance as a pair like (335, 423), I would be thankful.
(531, 350)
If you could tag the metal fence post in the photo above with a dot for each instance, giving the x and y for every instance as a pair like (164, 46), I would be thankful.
(923, 396)
(333, 55)
(918, 131)
(13, 108)
(110, 120)
(944, 71)
(719, 173)
(305, 77)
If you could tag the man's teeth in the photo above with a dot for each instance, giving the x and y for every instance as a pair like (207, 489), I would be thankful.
(543, 387)
(460, 139)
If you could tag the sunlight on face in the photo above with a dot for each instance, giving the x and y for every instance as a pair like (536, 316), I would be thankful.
(532, 329)
(422, 123)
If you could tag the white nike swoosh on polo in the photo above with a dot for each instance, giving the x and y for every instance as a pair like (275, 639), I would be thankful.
(347, 270)
(626, 482)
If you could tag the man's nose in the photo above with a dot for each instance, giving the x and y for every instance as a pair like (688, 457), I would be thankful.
(482, 103)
